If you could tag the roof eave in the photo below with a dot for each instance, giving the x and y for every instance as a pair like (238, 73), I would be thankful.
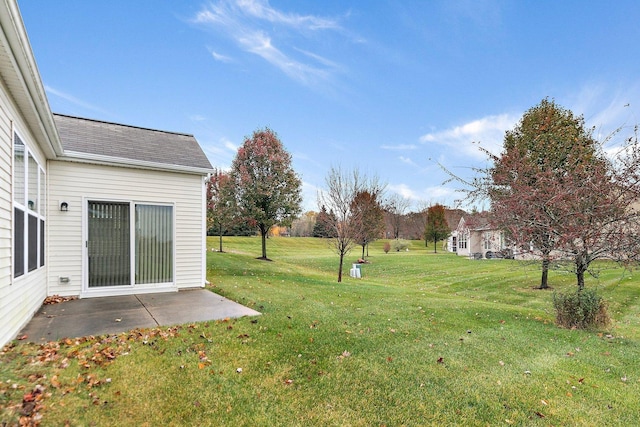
(80, 157)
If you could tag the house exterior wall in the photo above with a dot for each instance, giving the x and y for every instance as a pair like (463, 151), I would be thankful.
(75, 183)
(21, 297)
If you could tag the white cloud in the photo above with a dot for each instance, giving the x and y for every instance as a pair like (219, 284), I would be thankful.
(230, 146)
(447, 196)
(404, 191)
(220, 57)
(443, 194)
(407, 160)
(72, 99)
(254, 25)
(487, 131)
(309, 196)
(197, 118)
(262, 10)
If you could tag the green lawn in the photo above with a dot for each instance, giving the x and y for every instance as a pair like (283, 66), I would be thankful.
(421, 339)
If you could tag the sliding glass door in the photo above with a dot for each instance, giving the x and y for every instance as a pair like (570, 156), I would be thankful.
(109, 244)
(154, 244)
(126, 250)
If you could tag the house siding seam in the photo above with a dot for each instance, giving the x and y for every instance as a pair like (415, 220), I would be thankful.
(78, 182)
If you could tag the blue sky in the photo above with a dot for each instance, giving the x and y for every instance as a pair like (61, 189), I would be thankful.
(391, 88)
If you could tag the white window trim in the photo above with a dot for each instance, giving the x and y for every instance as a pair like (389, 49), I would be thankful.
(40, 211)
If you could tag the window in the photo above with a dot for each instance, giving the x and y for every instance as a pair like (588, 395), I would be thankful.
(28, 210)
(486, 238)
(462, 241)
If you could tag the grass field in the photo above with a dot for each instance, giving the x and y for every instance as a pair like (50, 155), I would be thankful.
(421, 339)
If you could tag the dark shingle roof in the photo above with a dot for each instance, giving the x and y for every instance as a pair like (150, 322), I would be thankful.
(130, 143)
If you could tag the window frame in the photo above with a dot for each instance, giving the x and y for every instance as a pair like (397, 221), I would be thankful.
(462, 240)
(28, 236)
(133, 256)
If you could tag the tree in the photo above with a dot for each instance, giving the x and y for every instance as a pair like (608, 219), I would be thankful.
(367, 208)
(395, 207)
(436, 227)
(219, 202)
(267, 189)
(341, 190)
(552, 189)
(324, 224)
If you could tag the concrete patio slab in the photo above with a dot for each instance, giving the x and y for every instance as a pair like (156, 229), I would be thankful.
(110, 315)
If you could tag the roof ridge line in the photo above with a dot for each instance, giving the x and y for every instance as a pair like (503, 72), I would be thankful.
(123, 125)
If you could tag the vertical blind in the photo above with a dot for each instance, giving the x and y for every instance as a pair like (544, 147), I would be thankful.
(109, 247)
(154, 244)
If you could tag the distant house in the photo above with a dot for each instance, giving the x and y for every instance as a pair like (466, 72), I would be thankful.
(475, 237)
(87, 207)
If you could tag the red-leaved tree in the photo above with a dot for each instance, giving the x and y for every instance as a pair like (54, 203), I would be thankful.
(559, 197)
(220, 202)
(368, 209)
(266, 188)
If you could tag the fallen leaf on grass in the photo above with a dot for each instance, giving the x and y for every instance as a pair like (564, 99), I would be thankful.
(344, 354)
(440, 360)
(55, 383)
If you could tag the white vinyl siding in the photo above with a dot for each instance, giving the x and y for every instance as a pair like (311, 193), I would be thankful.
(20, 297)
(77, 183)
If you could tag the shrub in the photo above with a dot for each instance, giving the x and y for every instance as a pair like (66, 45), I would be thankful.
(387, 247)
(580, 310)
(400, 245)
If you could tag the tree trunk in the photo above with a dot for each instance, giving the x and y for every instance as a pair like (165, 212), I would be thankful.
(263, 234)
(340, 267)
(220, 237)
(580, 277)
(581, 268)
(544, 281)
(363, 250)
(435, 246)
